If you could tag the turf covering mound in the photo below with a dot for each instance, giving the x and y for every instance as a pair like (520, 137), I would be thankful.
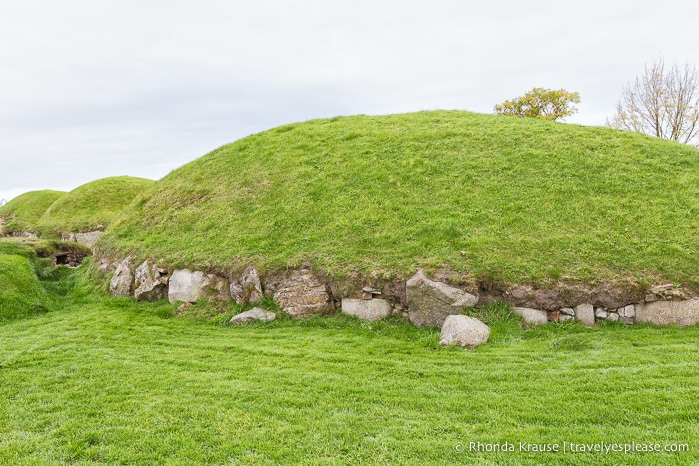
(519, 200)
(22, 212)
(92, 206)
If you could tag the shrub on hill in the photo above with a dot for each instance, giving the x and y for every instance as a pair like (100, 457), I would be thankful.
(92, 206)
(520, 200)
(23, 212)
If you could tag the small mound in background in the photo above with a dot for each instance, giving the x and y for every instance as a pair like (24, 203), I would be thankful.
(92, 206)
(23, 212)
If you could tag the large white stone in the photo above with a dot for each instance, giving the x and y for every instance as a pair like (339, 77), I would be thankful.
(255, 314)
(532, 316)
(367, 309)
(681, 313)
(430, 302)
(585, 313)
(121, 283)
(88, 238)
(188, 287)
(463, 331)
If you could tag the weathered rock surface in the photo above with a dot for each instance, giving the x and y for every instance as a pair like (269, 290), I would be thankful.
(585, 313)
(150, 282)
(301, 295)
(430, 302)
(89, 238)
(681, 313)
(121, 283)
(188, 287)
(532, 316)
(255, 314)
(371, 310)
(248, 289)
(463, 331)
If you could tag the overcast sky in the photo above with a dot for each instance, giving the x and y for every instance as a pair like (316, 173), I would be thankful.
(91, 89)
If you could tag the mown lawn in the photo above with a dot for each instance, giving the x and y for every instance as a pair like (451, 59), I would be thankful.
(107, 381)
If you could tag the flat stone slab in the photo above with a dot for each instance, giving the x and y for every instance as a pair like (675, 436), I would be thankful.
(371, 310)
(585, 313)
(255, 314)
(681, 313)
(532, 316)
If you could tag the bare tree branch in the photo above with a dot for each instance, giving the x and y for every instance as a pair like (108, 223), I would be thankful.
(662, 103)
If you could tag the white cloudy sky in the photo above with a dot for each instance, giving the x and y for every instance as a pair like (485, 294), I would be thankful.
(97, 88)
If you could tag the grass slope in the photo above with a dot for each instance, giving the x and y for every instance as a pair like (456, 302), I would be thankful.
(499, 197)
(23, 212)
(21, 294)
(111, 381)
(92, 206)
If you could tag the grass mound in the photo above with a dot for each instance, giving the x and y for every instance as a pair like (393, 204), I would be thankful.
(23, 212)
(92, 206)
(498, 197)
(22, 294)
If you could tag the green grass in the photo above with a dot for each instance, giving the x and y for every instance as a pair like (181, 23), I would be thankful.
(21, 294)
(92, 206)
(109, 381)
(22, 212)
(501, 199)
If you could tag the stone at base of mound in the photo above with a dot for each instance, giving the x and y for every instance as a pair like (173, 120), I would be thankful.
(255, 314)
(585, 313)
(463, 331)
(680, 313)
(430, 302)
(371, 310)
(532, 316)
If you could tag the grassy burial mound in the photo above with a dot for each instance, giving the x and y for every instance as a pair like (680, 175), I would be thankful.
(23, 212)
(92, 206)
(497, 198)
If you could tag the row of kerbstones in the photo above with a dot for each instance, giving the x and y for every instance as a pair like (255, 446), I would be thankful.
(430, 303)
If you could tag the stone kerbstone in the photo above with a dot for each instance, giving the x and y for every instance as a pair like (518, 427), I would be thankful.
(371, 310)
(122, 281)
(681, 313)
(255, 314)
(532, 316)
(89, 238)
(585, 313)
(302, 295)
(248, 289)
(463, 331)
(150, 283)
(430, 302)
(188, 287)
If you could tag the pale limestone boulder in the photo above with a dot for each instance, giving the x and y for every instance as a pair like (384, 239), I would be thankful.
(248, 289)
(255, 314)
(89, 238)
(680, 313)
(371, 310)
(430, 302)
(532, 316)
(301, 294)
(150, 282)
(585, 313)
(188, 287)
(121, 283)
(463, 331)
